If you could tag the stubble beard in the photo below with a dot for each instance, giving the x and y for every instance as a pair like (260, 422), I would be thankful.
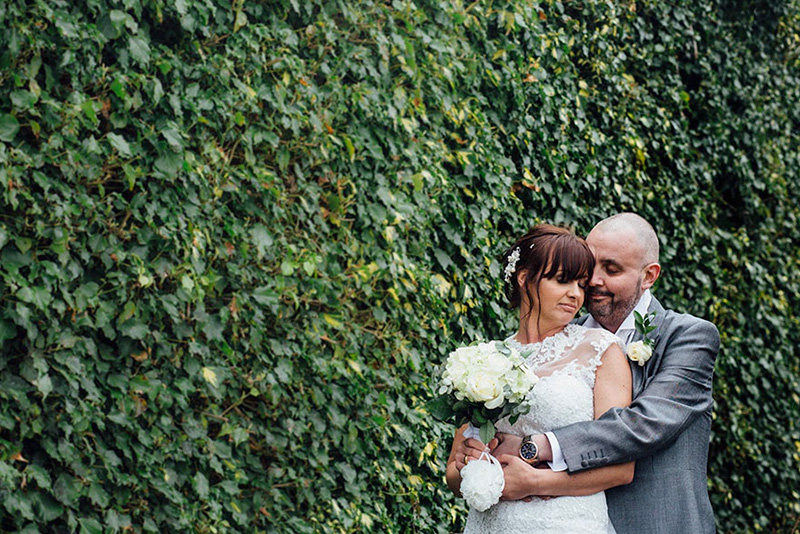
(611, 314)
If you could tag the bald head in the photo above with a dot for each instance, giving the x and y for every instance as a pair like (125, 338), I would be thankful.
(631, 230)
(625, 248)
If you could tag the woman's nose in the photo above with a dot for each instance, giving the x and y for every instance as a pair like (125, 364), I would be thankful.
(575, 288)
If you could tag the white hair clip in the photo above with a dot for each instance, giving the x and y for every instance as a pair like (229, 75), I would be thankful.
(513, 258)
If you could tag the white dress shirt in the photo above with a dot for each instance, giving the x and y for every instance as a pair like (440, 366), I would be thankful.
(625, 332)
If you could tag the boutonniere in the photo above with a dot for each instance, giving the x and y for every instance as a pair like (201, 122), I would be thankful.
(641, 351)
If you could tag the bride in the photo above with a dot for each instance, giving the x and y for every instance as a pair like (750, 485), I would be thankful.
(582, 372)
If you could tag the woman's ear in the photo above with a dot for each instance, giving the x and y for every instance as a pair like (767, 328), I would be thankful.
(651, 274)
(522, 275)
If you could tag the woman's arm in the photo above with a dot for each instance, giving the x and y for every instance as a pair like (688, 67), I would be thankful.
(613, 385)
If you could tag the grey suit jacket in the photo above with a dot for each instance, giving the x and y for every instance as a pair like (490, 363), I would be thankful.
(666, 429)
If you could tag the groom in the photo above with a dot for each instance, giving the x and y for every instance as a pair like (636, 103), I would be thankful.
(666, 428)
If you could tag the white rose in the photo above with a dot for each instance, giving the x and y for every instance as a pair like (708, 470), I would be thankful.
(495, 363)
(484, 388)
(640, 352)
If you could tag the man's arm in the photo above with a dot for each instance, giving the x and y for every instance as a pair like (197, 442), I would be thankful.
(612, 388)
(678, 394)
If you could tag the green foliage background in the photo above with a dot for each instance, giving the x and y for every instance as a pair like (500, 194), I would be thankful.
(236, 237)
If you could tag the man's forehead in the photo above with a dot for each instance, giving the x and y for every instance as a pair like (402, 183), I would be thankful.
(619, 247)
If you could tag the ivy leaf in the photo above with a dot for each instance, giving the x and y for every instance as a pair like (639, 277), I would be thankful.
(169, 163)
(38, 296)
(23, 99)
(441, 408)
(9, 126)
(66, 489)
(134, 330)
(90, 526)
(119, 142)
(173, 138)
(262, 239)
(44, 385)
(201, 485)
(139, 49)
(7, 331)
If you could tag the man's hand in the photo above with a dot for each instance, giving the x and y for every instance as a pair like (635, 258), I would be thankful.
(506, 444)
(519, 477)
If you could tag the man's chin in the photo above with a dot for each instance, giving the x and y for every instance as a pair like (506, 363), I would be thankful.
(598, 308)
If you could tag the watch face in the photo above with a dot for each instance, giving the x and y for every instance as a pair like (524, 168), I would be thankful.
(528, 450)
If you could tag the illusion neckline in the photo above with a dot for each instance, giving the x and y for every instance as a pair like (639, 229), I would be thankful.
(567, 330)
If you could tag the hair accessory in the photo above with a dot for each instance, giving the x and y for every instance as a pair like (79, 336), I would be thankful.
(532, 244)
(513, 258)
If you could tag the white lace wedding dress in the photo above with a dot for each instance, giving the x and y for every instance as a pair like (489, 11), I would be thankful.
(566, 365)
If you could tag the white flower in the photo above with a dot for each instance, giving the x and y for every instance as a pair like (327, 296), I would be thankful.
(482, 482)
(640, 351)
(494, 363)
(490, 373)
(485, 388)
(520, 383)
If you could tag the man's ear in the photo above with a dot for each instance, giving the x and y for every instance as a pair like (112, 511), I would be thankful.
(651, 274)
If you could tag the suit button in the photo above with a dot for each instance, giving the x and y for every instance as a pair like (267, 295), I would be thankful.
(584, 463)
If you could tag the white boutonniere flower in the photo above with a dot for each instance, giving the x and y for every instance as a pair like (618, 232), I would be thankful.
(641, 351)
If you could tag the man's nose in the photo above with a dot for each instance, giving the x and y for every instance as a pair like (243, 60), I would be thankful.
(596, 280)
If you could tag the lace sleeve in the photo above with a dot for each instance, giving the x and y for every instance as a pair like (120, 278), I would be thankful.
(581, 356)
(600, 341)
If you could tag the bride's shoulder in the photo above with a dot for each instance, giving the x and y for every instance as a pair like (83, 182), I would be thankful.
(598, 337)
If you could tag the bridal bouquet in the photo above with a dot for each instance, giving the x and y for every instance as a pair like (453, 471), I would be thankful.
(481, 384)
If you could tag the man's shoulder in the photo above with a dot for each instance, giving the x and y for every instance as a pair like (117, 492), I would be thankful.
(686, 319)
(679, 324)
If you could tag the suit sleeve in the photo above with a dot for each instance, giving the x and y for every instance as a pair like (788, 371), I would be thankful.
(675, 397)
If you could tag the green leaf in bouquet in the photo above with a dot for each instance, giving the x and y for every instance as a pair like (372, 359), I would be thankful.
(487, 432)
(441, 408)
(479, 418)
(502, 348)
(461, 407)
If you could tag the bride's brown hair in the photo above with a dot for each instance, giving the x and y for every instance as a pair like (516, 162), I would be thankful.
(544, 252)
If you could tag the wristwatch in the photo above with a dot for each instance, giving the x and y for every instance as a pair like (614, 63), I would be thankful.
(528, 451)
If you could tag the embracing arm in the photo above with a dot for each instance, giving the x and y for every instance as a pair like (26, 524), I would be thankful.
(612, 389)
(678, 394)
(523, 480)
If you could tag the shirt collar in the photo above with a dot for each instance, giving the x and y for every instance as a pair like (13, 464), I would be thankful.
(629, 323)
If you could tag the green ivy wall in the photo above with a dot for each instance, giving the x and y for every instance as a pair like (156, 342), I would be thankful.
(236, 238)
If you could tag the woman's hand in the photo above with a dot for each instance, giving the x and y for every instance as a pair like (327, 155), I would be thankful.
(471, 449)
(463, 451)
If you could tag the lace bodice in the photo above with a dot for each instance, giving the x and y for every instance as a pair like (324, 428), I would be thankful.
(566, 364)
